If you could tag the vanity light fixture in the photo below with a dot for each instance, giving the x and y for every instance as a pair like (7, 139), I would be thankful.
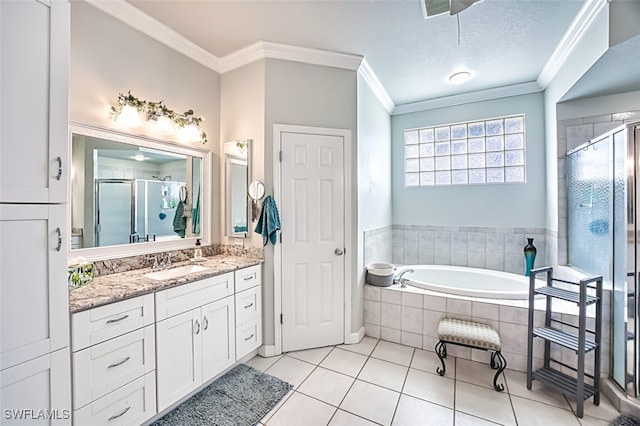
(459, 77)
(166, 121)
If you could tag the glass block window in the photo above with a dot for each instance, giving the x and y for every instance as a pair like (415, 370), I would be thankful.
(479, 152)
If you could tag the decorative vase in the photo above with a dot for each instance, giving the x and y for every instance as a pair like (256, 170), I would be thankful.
(530, 252)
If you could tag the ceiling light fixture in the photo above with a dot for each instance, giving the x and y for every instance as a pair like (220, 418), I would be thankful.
(459, 77)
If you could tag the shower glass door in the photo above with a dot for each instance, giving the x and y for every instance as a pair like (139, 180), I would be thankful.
(598, 219)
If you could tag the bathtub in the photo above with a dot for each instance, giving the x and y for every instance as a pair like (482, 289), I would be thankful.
(464, 281)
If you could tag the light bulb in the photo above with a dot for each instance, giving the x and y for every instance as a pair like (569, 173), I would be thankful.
(128, 117)
(189, 133)
(164, 125)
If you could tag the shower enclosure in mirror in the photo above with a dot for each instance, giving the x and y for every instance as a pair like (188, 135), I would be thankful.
(603, 236)
(237, 156)
(135, 193)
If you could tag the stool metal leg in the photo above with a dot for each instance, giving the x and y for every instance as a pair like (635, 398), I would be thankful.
(500, 363)
(441, 351)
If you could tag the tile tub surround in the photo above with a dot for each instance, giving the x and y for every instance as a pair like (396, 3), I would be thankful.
(131, 263)
(107, 289)
(410, 317)
(377, 245)
(498, 249)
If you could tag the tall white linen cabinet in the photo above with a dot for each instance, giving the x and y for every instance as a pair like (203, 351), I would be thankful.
(34, 315)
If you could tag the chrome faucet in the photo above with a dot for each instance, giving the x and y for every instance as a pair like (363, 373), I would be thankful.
(155, 262)
(403, 281)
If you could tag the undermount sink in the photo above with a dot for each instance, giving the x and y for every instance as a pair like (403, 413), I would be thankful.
(175, 272)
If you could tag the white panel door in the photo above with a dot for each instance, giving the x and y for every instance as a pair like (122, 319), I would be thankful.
(312, 216)
(218, 337)
(178, 357)
(34, 300)
(34, 42)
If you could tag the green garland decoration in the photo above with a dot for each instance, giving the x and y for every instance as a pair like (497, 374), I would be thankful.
(158, 109)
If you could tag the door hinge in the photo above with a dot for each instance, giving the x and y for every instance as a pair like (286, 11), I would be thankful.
(281, 319)
(280, 156)
(281, 238)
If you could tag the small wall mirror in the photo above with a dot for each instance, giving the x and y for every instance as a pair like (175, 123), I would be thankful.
(135, 192)
(256, 192)
(237, 165)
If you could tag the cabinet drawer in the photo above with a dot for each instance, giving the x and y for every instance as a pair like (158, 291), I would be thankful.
(106, 322)
(189, 296)
(103, 368)
(248, 305)
(248, 277)
(131, 404)
(248, 338)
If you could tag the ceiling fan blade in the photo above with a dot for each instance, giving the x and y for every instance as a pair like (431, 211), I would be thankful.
(458, 6)
(434, 7)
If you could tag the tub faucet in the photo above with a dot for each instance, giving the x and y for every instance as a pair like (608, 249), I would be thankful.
(402, 281)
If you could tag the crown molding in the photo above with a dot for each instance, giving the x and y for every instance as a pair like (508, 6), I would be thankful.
(137, 19)
(467, 98)
(268, 50)
(579, 26)
(376, 86)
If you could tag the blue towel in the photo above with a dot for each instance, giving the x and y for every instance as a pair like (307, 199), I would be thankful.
(179, 221)
(195, 215)
(269, 221)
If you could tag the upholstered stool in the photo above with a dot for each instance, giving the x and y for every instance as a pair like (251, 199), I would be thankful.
(474, 335)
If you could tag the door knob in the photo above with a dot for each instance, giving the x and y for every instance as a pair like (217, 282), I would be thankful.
(338, 252)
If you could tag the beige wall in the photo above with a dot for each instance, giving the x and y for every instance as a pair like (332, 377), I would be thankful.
(109, 57)
(242, 110)
(317, 96)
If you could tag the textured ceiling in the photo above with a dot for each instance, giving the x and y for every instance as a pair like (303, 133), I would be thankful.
(502, 42)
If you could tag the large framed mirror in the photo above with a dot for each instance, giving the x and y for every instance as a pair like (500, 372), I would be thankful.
(135, 195)
(237, 156)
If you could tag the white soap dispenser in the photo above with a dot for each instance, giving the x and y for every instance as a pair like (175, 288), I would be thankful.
(197, 253)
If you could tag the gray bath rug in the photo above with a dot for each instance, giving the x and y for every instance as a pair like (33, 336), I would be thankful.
(625, 421)
(241, 397)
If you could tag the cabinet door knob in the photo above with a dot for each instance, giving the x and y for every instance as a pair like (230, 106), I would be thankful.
(197, 327)
(59, 175)
(205, 323)
(59, 245)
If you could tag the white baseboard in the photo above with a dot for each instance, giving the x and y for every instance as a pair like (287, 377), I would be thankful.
(267, 351)
(353, 338)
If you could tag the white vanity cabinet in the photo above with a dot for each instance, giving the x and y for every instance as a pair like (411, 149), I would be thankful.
(195, 335)
(34, 318)
(248, 310)
(34, 315)
(34, 101)
(114, 363)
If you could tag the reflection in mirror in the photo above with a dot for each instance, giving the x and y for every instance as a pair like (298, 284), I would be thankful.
(237, 165)
(127, 191)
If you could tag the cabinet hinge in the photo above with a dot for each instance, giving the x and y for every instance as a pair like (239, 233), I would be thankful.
(280, 156)
(281, 319)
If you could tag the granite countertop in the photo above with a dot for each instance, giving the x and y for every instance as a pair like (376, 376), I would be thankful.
(107, 289)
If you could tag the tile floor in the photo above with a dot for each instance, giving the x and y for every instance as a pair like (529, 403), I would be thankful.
(379, 382)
